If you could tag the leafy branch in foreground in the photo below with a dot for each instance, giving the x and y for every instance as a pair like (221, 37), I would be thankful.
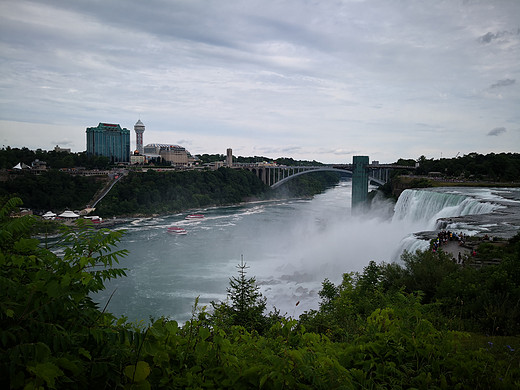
(51, 330)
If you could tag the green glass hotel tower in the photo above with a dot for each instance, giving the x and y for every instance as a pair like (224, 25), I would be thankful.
(109, 140)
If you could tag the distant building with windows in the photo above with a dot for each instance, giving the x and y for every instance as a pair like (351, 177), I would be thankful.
(59, 150)
(109, 140)
(137, 158)
(175, 154)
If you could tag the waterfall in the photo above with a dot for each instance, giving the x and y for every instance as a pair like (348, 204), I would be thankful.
(419, 210)
(425, 207)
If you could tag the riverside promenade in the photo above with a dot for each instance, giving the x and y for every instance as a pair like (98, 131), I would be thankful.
(453, 248)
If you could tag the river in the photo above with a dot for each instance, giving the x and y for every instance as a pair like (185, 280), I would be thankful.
(290, 246)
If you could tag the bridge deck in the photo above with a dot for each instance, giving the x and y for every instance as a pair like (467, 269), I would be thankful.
(275, 175)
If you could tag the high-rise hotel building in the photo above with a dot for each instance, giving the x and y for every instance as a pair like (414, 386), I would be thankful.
(109, 140)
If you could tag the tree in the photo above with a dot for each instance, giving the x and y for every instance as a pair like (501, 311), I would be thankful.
(247, 305)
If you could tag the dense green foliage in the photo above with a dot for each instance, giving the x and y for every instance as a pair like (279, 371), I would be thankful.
(484, 300)
(292, 162)
(167, 192)
(51, 332)
(209, 158)
(370, 332)
(491, 170)
(245, 306)
(495, 167)
(9, 157)
(155, 192)
(51, 190)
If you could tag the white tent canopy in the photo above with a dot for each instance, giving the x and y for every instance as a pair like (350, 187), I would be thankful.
(68, 214)
(21, 165)
(49, 214)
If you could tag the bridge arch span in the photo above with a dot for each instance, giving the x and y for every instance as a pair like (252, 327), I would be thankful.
(324, 169)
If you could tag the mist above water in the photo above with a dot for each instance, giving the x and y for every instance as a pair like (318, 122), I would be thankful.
(327, 240)
(290, 247)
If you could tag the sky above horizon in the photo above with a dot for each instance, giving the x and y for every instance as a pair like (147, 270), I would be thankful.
(306, 79)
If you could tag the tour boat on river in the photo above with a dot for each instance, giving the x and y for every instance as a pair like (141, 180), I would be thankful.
(176, 230)
(195, 216)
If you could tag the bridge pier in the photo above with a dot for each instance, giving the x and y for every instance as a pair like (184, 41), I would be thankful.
(382, 174)
(359, 181)
(362, 173)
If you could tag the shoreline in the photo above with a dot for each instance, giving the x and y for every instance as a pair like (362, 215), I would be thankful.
(199, 209)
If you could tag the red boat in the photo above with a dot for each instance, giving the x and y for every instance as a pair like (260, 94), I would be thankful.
(176, 230)
(195, 216)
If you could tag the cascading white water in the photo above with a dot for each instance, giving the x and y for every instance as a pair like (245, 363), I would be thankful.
(427, 207)
(423, 208)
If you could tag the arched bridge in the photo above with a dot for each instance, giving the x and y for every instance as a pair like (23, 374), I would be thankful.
(284, 174)
(361, 171)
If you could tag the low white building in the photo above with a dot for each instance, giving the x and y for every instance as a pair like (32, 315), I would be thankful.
(49, 215)
(68, 215)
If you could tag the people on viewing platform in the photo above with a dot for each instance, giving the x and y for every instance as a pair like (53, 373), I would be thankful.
(446, 236)
(448, 240)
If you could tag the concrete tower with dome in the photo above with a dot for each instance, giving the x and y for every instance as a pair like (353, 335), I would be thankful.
(139, 130)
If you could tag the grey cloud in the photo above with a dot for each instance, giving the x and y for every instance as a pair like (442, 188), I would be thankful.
(339, 152)
(190, 21)
(288, 68)
(289, 149)
(428, 127)
(489, 36)
(63, 143)
(503, 83)
(272, 151)
(497, 131)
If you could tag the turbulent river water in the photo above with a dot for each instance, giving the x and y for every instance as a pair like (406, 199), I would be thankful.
(290, 246)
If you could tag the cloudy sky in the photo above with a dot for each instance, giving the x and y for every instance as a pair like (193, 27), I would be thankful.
(307, 79)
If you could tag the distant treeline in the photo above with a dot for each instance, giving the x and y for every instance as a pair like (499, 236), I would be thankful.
(155, 192)
(209, 158)
(51, 190)
(9, 157)
(495, 167)
(168, 192)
